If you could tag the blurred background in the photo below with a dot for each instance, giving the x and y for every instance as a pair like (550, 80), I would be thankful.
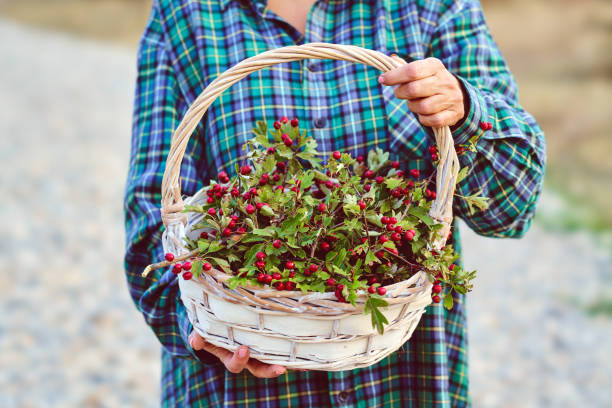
(540, 316)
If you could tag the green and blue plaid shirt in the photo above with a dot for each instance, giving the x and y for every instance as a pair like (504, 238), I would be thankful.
(188, 43)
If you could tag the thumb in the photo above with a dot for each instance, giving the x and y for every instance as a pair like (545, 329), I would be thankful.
(239, 360)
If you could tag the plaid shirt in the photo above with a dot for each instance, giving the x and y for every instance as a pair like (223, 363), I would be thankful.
(188, 43)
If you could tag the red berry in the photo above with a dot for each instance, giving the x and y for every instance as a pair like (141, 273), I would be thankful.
(290, 285)
(263, 181)
(451, 267)
(436, 299)
(280, 166)
(397, 192)
(325, 246)
(241, 230)
(232, 224)
(246, 169)
(367, 188)
(395, 164)
(364, 240)
(396, 236)
(368, 174)
(176, 269)
(260, 264)
(322, 207)
(295, 122)
(227, 232)
(279, 286)
(284, 120)
(250, 209)
(267, 279)
(206, 266)
(271, 150)
(392, 220)
(434, 157)
(400, 173)
(383, 239)
(187, 275)
(307, 272)
(433, 149)
(223, 177)
(277, 243)
(486, 126)
(329, 184)
(313, 268)
(360, 159)
(260, 256)
(203, 235)
(261, 277)
(384, 219)
(331, 282)
(276, 177)
(186, 265)
(399, 229)
(287, 141)
(381, 291)
(292, 274)
(409, 235)
(276, 276)
(380, 254)
(437, 288)
(212, 211)
(337, 155)
(289, 265)
(390, 227)
(371, 289)
(259, 205)
(415, 173)
(362, 205)
(234, 217)
(380, 179)
(169, 257)
(277, 125)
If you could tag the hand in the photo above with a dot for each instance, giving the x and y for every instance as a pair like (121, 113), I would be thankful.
(237, 361)
(433, 93)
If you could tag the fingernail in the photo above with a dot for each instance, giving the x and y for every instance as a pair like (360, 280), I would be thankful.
(242, 353)
(280, 370)
(381, 79)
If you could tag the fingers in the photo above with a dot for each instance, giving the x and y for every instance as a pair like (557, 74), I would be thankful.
(411, 72)
(429, 106)
(238, 360)
(440, 119)
(196, 341)
(421, 88)
(262, 370)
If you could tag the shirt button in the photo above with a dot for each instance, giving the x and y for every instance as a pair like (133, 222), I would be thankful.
(320, 123)
(313, 66)
(343, 397)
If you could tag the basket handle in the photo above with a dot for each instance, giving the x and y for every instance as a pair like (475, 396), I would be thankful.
(172, 203)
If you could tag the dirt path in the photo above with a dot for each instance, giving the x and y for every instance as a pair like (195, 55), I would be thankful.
(70, 336)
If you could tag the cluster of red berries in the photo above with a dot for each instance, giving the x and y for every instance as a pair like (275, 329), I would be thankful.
(180, 267)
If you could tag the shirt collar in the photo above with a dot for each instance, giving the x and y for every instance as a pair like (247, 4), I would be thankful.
(258, 3)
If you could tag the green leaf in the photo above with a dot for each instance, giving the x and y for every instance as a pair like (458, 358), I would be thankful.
(462, 174)
(421, 214)
(392, 183)
(223, 264)
(267, 211)
(448, 301)
(372, 306)
(264, 232)
(196, 268)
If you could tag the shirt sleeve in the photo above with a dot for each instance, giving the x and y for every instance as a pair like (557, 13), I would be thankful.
(158, 108)
(508, 165)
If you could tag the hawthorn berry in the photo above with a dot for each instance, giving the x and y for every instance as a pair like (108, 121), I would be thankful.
(186, 266)
(372, 289)
(203, 235)
(287, 141)
(241, 230)
(415, 173)
(276, 177)
(206, 266)
(322, 207)
(187, 275)
(284, 120)
(277, 243)
(295, 122)
(362, 205)
(250, 209)
(271, 150)
(289, 285)
(337, 155)
(390, 227)
(437, 288)
(368, 174)
(307, 272)
(372, 280)
(383, 239)
(235, 193)
(380, 254)
(277, 125)
(259, 205)
(276, 276)
(325, 246)
(260, 256)
(384, 219)
(434, 157)
(292, 274)
(395, 164)
(176, 269)
(281, 166)
(223, 177)
(289, 265)
(436, 299)
(381, 290)
(169, 257)
(400, 173)
(396, 236)
(261, 277)
(409, 235)
(260, 264)
(451, 267)
(212, 211)
(399, 229)
(486, 126)
(232, 224)
(246, 169)
(313, 268)
(367, 188)
(331, 282)
(227, 232)
(279, 286)
(380, 179)
(360, 159)
(392, 220)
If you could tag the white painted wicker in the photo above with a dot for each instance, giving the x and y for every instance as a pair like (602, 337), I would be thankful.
(295, 329)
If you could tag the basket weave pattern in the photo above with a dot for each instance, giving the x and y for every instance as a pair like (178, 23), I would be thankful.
(292, 328)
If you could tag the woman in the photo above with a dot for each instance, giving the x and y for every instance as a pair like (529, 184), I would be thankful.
(456, 77)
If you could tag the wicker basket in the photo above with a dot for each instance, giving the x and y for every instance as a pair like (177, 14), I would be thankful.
(296, 329)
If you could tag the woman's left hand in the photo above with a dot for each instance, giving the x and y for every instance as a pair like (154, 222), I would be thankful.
(433, 93)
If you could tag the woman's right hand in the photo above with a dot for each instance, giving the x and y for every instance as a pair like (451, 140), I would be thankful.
(237, 361)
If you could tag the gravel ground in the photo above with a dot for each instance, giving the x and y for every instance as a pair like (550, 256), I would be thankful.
(70, 336)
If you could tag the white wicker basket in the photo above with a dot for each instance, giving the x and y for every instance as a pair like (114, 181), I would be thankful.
(295, 329)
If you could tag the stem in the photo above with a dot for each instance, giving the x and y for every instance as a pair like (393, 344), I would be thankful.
(164, 264)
